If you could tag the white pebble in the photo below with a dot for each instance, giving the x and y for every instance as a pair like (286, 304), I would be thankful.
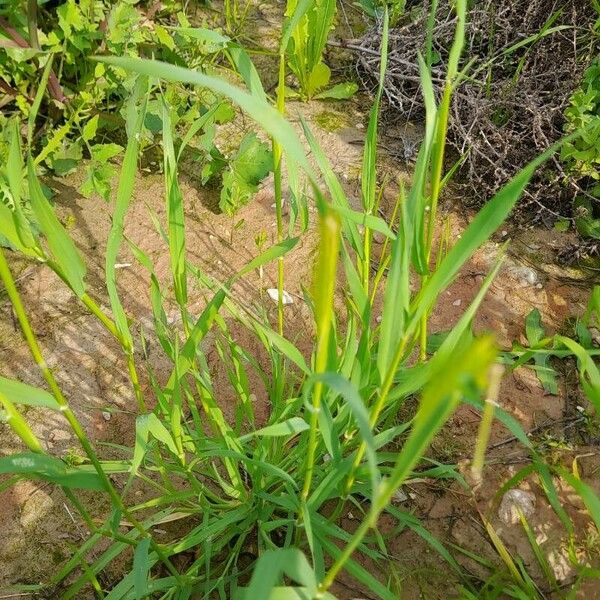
(513, 501)
(457, 302)
(106, 415)
(399, 497)
(274, 295)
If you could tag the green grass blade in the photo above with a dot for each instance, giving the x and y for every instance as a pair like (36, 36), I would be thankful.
(63, 249)
(272, 253)
(487, 221)
(272, 565)
(21, 393)
(141, 569)
(135, 122)
(175, 216)
(264, 114)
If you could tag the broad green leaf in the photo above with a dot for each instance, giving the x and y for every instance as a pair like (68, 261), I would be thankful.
(283, 429)
(258, 109)
(141, 568)
(90, 128)
(318, 78)
(21, 393)
(64, 252)
(8, 230)
(292, 21)
(248, 167)
(104, 152)
(341, 91)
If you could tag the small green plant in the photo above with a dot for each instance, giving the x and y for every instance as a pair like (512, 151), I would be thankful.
(305, 52)
(581, 156)
(241, 174)
(235, 15)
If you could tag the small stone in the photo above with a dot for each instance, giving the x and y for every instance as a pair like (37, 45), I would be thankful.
(106, 415)
(561, 566)
(457, 302)
(504, 233)
(526, 275)
(326, 457)
(274, 295)
(513, 501)
(360, 126)
(539, 286)
(379, 318)
(399, 496)
(350, 516)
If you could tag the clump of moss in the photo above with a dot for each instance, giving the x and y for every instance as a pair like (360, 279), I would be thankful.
(331, 121)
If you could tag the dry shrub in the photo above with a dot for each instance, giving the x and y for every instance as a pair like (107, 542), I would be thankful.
(510, 108)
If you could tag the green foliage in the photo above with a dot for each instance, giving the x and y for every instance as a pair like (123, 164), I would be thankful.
(246, 169)
(534, 331)
(85, 100)
(305, 51)
(581, 156)
(375, 8)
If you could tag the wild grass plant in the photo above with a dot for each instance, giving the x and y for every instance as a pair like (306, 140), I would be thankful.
(279, 488)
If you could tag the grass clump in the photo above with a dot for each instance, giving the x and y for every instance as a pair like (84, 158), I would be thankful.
(273, 492)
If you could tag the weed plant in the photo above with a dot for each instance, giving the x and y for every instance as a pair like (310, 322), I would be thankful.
(280, 488)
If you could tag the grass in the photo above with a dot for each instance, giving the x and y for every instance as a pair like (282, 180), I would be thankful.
(238, 486)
